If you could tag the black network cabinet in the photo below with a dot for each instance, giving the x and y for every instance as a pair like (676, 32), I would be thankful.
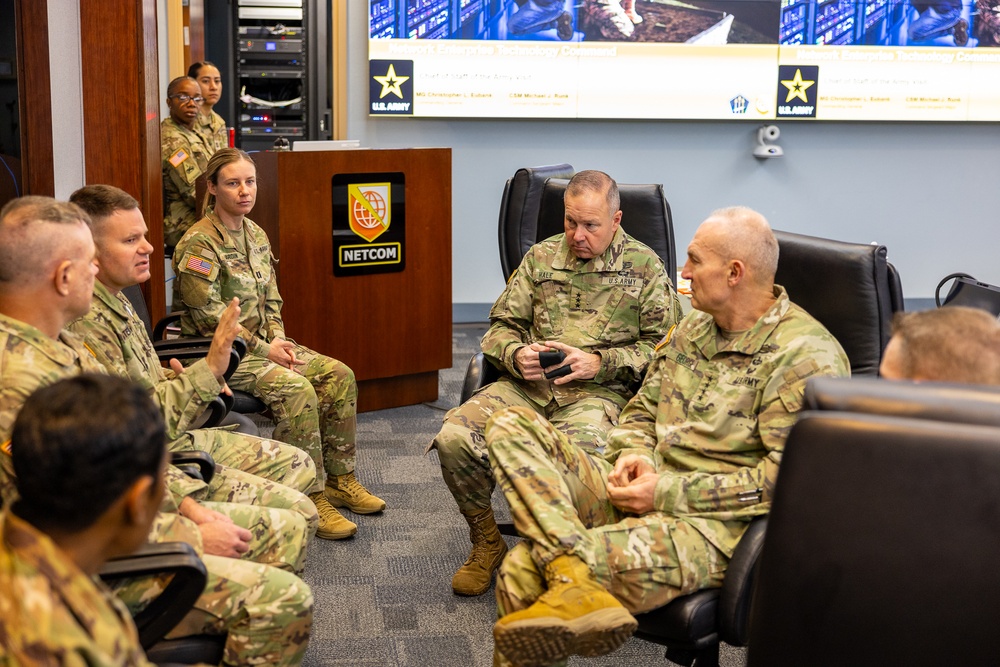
(279, 59)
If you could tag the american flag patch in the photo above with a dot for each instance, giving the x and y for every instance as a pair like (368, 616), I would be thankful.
(199, 265)
(178, 157)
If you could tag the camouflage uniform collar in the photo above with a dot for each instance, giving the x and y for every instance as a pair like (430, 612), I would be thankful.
(609, 260)
(223, 231)
(117, 303)
(170, 122)
(704, 333)
(57, 350)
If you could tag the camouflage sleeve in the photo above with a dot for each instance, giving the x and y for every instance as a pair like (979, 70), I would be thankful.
(196, 262)
(659, 310)
(272, 306)
(748, 491)
(181, 399)
(181, 167)
(636, 430)
(172, 527)
(510, 319)
(179, 486)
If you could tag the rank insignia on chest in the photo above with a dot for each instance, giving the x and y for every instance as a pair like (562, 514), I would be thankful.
(178, 157)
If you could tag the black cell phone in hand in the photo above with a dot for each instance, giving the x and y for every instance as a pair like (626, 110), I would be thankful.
(551, 358)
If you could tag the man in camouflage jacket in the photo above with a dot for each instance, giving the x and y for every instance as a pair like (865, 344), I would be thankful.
(695, 456)
(593, 293)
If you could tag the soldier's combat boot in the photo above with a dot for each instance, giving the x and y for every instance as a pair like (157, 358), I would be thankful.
(332, 524)
(347, 491)
(576, 615)
(488, 550)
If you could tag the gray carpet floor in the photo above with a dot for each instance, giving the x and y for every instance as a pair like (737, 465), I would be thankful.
(384, 596)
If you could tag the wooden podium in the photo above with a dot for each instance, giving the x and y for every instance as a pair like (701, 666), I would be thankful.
(392, 329)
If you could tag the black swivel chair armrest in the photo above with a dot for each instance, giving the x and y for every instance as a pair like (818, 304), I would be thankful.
(180, 593)
(160, 329)
(737, 588)
(479, 374)
(194, 463)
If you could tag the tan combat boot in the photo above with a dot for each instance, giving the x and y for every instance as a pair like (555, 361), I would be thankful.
(332, 524)
(576, 615)
(347, 491)
(488, 550)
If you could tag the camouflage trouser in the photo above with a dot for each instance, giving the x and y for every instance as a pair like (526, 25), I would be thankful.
(558, 499)
(988, 22)
(314, 407)
(235, 487)
(461, 443)
(266, 612)
(607, 19)
(268, 459)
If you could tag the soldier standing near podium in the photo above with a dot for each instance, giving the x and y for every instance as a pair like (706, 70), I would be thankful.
(184, 156)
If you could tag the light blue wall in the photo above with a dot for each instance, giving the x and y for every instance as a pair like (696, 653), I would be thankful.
(929, 192)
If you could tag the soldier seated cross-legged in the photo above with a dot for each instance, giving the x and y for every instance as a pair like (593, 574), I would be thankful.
(693, 459)
(593, 294)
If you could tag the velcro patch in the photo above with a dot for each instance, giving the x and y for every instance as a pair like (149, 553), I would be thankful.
(199, 265)
(178, 157)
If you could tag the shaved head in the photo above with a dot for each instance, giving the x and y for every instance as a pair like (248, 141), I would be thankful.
(36, 234)
(746, 236)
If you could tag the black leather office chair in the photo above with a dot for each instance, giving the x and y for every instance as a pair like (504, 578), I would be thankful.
(882, 543)
(161, 615)
(850, 287)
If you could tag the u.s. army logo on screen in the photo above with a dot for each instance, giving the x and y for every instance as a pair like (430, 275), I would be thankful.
(370, 207)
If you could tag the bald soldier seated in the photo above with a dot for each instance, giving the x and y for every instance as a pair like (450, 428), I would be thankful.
(593, 294)
(693, 459)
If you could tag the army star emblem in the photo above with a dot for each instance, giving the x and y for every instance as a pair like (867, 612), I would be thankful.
(391, 83)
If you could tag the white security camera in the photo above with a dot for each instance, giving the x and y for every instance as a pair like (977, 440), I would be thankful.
(764, 149)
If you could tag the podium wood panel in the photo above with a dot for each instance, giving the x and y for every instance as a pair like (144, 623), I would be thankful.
(392, 329)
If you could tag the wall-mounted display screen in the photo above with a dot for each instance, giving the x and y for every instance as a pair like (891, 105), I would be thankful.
(899, 60)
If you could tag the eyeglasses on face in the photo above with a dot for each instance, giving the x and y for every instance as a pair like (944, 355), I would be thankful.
(184, 99)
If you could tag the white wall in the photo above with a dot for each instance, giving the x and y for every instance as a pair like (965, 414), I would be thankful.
(66, 82)
(926, 191)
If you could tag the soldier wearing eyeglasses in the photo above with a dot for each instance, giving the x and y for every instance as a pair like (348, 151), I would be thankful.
(184, 155)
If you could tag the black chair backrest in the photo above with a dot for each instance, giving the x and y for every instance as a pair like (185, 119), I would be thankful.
(134, 294)
(645, 217)
(962, 403)
(848, 287)
(519, 207)
(881, 546)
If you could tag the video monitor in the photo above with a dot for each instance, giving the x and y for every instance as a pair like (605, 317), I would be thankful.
(765, 60)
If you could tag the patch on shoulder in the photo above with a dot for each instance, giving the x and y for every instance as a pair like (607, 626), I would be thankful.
(666, 339)
(200, 266)
(178, 157)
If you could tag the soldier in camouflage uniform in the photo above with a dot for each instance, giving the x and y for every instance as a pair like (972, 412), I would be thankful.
(312, 397)
(695, 456)
(594, 293)
(184, 156)
(209, 125)
(53, 610)
(117, 337)
(47, 271)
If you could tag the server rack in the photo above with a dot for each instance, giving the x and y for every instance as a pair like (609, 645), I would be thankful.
(276, 57)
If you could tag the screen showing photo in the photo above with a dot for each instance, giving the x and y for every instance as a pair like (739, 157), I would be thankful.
(898, 60)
